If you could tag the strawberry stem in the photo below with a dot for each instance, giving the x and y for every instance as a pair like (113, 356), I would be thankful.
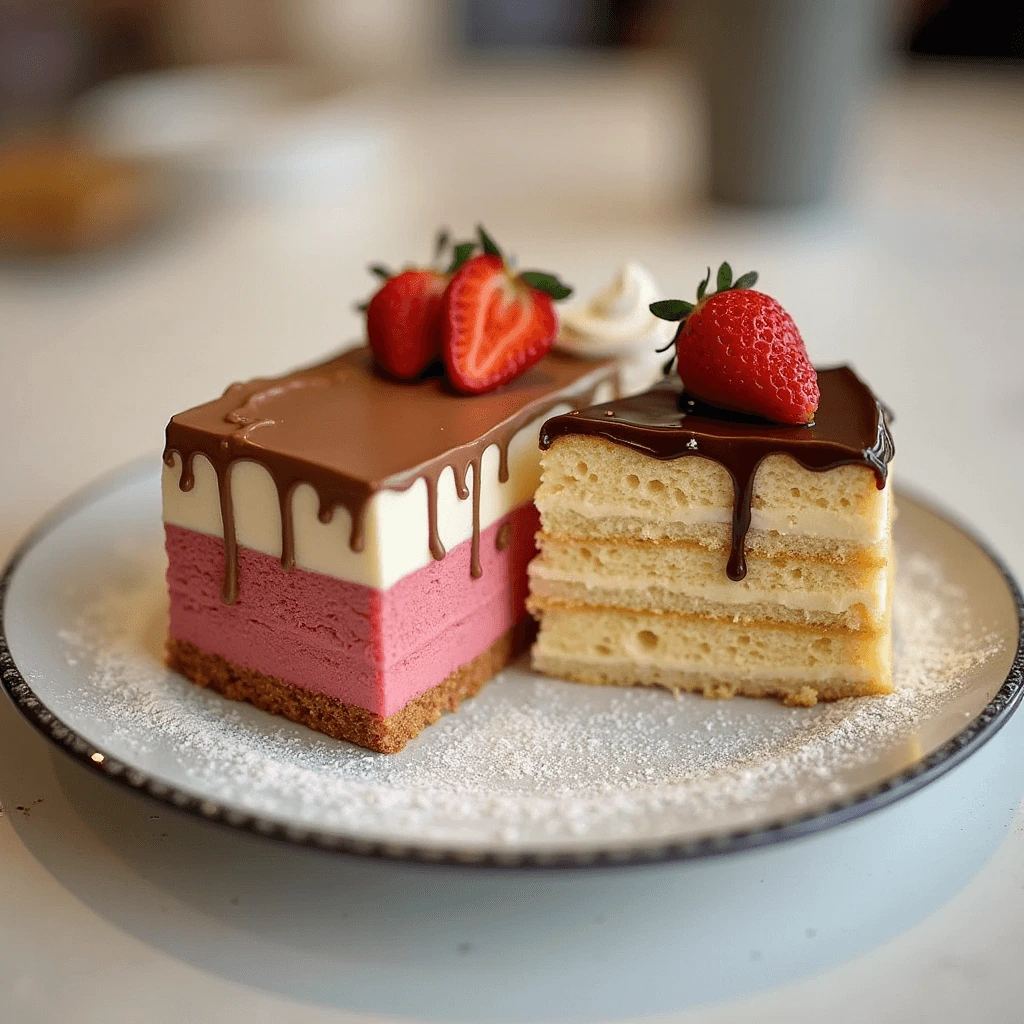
(487, 244)
(460, 254)
(442, 241)
(677, 310)
(703, 286)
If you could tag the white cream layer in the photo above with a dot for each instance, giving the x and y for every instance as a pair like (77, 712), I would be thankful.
(863, 530)
(727, 673)
(833, 602)
(396, 534)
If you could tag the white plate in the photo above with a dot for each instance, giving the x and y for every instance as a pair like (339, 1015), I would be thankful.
(533, 772)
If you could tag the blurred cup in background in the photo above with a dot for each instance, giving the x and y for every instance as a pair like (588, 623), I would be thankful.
(782, 79)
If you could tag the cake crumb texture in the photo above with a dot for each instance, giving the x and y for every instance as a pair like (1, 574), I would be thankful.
(631, 589)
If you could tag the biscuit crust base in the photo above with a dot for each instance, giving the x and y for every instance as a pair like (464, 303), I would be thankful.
(347, 721)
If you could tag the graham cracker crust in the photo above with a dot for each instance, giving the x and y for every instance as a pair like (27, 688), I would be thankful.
(347, 721)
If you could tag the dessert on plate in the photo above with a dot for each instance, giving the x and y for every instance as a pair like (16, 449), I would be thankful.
(348, 543)
(727, 531)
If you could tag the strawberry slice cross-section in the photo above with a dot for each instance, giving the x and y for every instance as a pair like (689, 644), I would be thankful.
(496, 324)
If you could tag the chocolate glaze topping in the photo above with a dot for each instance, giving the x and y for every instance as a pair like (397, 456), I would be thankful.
(850, 428)
(350, 432)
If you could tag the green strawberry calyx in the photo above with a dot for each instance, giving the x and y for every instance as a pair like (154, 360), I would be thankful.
(448, 258)
(680, 309)
(540, 280)
(677, 310)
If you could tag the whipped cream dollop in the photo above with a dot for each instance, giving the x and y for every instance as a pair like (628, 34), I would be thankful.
(617, 322)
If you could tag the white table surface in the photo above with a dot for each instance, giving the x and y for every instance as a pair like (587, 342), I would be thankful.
(115, 910)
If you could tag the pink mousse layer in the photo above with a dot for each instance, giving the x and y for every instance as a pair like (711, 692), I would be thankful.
(377, 649)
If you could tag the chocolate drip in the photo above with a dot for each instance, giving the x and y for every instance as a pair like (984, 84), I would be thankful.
(350, 433)
(474, 562)
(850, 428)
(229, 589)
(284, 499)
(437, 551)
(461, 487)
(186, 481)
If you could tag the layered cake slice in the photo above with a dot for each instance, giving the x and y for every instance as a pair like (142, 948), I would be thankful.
(348, 549)
(700, 548)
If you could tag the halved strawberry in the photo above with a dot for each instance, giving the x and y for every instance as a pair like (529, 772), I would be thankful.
(403, 319)
(496, 324)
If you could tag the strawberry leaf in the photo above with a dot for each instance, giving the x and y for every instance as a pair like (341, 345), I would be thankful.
(703, 286)
(360, 307)
(380, 270)
(489, 246)
(747, 280)
(460, 254)
(441, 243)
(547, 283)
(671, 309)
(724, 277)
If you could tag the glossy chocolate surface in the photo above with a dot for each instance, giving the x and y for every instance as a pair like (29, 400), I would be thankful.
(850, 428)
(350, 432)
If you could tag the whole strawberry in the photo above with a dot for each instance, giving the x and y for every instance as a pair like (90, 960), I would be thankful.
(496, 324)
(738, 349)
(403, 319)
(403, 322)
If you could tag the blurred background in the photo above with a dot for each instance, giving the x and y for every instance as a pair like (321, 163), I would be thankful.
(593, 110)
(190, 191)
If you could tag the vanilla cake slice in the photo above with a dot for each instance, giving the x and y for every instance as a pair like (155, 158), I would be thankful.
(695, 549)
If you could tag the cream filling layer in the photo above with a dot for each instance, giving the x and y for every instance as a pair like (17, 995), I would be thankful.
(834, 602)
(725, 672)
(395, 529)
(852, 528)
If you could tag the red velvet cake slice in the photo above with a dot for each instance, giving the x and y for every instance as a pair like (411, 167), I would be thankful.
(349, 551)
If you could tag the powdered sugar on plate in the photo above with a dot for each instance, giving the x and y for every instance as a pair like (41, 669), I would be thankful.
(531, 761)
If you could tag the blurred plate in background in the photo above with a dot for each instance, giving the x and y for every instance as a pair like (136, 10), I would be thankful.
(246, 132)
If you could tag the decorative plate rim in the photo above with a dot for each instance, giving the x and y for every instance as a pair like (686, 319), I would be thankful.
(955, 750)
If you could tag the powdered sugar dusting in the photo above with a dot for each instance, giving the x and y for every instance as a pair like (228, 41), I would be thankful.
(530, 762)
